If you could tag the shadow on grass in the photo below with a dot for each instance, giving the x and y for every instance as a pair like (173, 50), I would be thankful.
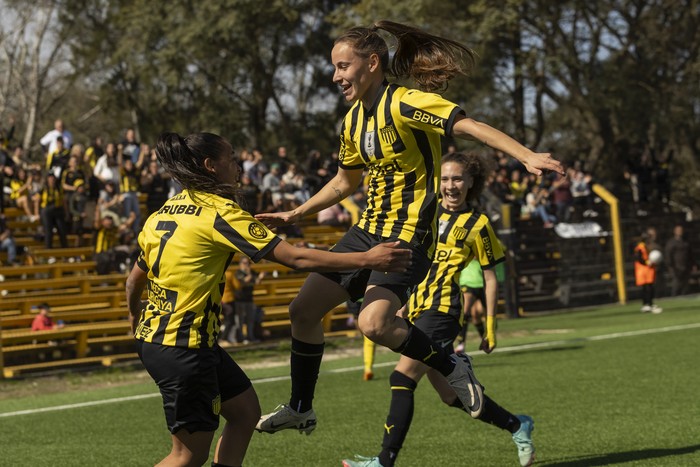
(621, 457)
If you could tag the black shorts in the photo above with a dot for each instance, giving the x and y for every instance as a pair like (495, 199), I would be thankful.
(478, 292)
(193, 383)
(440, 327)
(356, 281)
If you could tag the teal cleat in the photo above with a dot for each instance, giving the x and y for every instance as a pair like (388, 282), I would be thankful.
(361, 461)
(523, 440)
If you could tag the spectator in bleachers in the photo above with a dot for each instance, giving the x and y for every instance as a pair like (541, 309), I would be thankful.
(317, 174)
(43, 320)
(272, 182)
(70, 176)
(536, 204)
(333, 215)
(7, 242)
(518, 187)
(500, 186)
(282, 159)
(130, 174)
(48, 141)
(106, 238)
(77, 211)
(107, 167)
(249, 195)
(20, 188)
(560, 194)
(156, 184)
(680, 261)
(131, 148)
(111, 203)
(246, 280)
(90, 158)
(53, 213)
(57, 160)
(232, 323)
(293, 185)
(7, 169)
(581, 193)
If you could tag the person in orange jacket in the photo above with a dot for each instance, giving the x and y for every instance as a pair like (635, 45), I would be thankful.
(645, 270)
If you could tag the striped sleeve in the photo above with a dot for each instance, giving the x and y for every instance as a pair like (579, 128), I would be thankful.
(234, 227)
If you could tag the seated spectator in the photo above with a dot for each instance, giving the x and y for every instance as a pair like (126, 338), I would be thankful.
(272, 182)
(560, 193)
(536, 203)
(20, 189)
(7, 242)
(111, 203)
(333, 215)
(43, 320)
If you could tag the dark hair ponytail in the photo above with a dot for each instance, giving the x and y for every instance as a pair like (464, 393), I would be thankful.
(184, 159)
(431, 61)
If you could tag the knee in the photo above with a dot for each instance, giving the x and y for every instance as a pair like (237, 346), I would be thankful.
(371, 327)
(303, 315)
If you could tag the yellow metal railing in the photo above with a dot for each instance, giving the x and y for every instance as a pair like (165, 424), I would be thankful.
(612, 201)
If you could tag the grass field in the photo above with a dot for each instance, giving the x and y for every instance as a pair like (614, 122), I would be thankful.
(606, 386)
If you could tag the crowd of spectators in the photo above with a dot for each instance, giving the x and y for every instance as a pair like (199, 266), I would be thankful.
(93, 191)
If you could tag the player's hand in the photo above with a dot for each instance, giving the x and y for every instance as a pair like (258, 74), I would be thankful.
(389, 257)
(276, 219)
(487, 345)
(537, 162)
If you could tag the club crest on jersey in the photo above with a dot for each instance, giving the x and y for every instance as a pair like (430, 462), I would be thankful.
(369, 143)
(257, 230)
(459, 233)
(388, 134)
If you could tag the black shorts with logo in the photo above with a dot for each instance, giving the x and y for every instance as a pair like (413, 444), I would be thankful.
(356, 281)
(440, 327)
(193, 383)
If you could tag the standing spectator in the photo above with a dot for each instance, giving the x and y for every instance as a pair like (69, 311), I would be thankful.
(245, 307)
(249, 195)
(106, 234)
(130, 146)
(53, 213)
(7, 242)
(43, 320)
(48, 141)
(130, 174)
(77, 211)
(645, 271)
(518, 188)
(156, 184)
(107, 167)
(679, 260)
(233, 324)
(7, 168)
(316, 171)
(70, 177)
(57, 160)
(272, 182)
(561, 197)
(582, 196)
(282, 159)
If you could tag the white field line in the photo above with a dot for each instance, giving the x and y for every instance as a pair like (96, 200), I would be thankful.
(537, 345)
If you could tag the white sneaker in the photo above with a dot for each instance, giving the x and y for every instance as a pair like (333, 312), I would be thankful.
(656, 309)
(646, 309)
(465, 384)
(286, 418)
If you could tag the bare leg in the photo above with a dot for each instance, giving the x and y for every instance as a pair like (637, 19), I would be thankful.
(241, 413)
(317, 297)
(189, 449)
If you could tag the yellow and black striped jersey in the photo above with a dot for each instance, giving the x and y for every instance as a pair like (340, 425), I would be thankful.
(398, 142)
(105, 239)
(51, 197)
(463, 236)
(186, 247)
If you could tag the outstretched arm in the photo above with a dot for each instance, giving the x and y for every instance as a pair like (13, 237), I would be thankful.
(535, 163)
(337, 189)
(491, 292)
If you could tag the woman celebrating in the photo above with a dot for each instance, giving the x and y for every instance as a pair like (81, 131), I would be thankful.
(395, 133)
(436, 308)
(186, 247)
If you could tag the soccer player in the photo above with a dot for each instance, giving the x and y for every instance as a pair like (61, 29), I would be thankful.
(395, 133)
(435, 307)
(186, 247)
